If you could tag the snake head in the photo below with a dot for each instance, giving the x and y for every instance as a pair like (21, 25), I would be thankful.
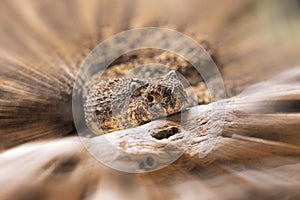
(122, 103)
(159, 97)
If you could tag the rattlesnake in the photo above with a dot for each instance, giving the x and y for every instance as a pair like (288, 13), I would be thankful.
(148, 91)
(146, 99)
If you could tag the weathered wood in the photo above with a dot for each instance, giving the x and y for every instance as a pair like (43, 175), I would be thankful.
(39, 61)
(260, 118)
(253, 136)
(253, 153)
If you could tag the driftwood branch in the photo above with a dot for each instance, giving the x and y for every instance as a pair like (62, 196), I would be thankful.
(259, 126)
(264, 118)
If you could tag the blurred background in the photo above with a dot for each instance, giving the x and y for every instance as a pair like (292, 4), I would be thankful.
(43, 43)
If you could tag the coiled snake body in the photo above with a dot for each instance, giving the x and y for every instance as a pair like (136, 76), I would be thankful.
(148, 91)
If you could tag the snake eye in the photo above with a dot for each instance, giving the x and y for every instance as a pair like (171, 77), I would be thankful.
(136, 93)
(133, 86)
(134, 89)
(150, 98)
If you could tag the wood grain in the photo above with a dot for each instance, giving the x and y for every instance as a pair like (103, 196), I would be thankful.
(244, 147)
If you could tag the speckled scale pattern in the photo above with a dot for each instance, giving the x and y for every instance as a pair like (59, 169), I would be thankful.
(121, 103)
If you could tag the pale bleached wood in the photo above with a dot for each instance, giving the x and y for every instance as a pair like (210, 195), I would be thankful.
(255, 156)
(251, 121)
(241, 150)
